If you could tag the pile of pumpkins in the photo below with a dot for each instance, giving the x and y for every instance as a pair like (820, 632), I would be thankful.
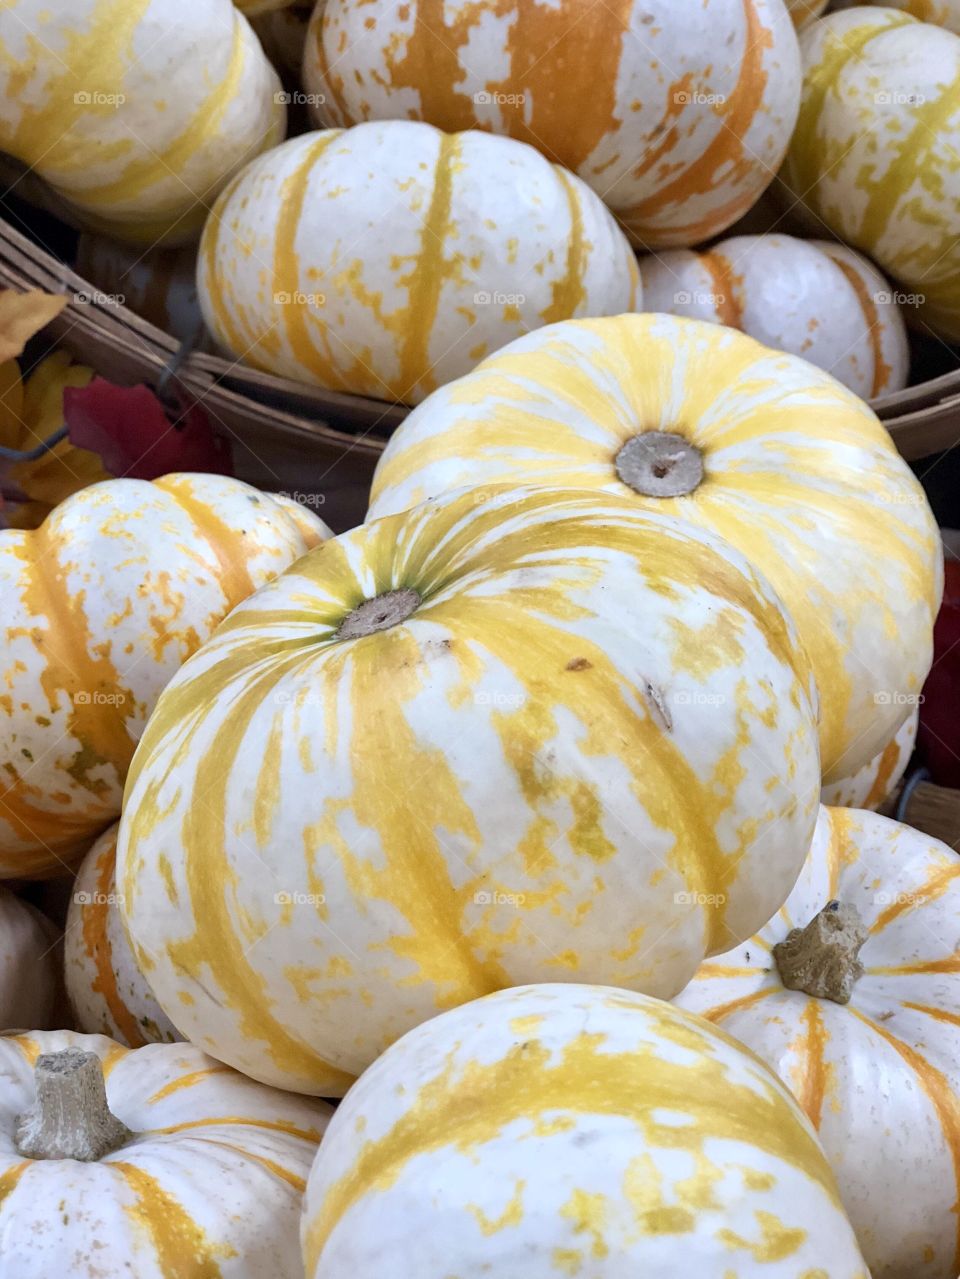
(532, 817)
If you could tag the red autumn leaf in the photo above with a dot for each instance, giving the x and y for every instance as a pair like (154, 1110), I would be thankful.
(130, 429)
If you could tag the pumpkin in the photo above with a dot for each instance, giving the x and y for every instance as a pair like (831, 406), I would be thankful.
(156, 1161)
(677, 115)
(108, 992)
(29, 964)
(159, 284)
(390, 258)
(695, 420)
(135, 113)
(814, 298)
(850, 995)
(874, 153)
(572, 1130)
(875, 785)
(942, 13)
(99, 606)
(803, 12)
(488, 740)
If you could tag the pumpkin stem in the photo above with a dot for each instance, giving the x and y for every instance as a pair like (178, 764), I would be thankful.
(660, 464)
(822, 959)
(379, 614)
(71, 1118)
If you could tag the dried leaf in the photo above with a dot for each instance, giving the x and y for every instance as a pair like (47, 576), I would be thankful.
(22, 315)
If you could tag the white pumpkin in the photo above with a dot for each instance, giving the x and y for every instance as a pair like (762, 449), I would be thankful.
(135, 113)
(29, 965)
(572, 1130)
(536, 734)
(391, 258)
(178, 1169)
(676, 112)
(867, 1035)
(814, 298)
(875, 785)
(108, 991)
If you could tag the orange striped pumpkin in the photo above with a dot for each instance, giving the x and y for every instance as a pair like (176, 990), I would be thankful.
(676, 112)
(851, 993)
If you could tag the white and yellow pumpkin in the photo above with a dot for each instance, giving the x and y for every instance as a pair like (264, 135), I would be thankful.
(813, 298)
(758, 446)
(158, 284)
(138, 112)
(875, 785)
(676, 113)
(99, 607)
(157, 1162)
(531, 736)
(391, 258)
(874, 155)
(108, 992)
(850, 994)
(572, 1130)
(29, 965)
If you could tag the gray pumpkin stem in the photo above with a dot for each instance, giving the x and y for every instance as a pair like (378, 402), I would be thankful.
(822, 959)
(70, 1118)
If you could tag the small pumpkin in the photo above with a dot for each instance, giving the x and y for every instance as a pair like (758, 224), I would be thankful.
(159, 284)
(815, 299)
(29, 964)
(572, 1129)
(850, 994)
(136, 114)
(529, 735)
(677, 114)
(399, 256)
(874, 152)
(156, 1161)
(875, 785)
(108, 992)
(702, 422)
(99, 606)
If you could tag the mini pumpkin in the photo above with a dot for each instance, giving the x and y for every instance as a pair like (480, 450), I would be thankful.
(677, 114)
(571, 1129)
(399, 256)
(530, 735)
(874, 152)
(702, 422)
(154, 1162)
(850, 995)
(99, 606)
(135, 113)
(29, 964)
(875, 785)
(815, 299)
(108, 992)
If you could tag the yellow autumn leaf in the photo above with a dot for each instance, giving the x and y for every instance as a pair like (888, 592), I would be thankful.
(22, 315)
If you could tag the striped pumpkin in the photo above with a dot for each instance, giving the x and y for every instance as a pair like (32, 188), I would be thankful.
(182, 1170)
(99, 606)
(769, 452)
(533, 736)
(29, 965)
(158, 284)
(879, 1074)
(875, 785)
(108, 992)
(136, 112)
(814, 298)
(572, 1130)
(391, 258)
(676, 113)
(874, 155)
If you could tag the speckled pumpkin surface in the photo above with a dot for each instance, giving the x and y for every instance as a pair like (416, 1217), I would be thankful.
(793, 470)
(577, 740)
(390, 258)
(676, 112)
(561, 1130)
(208, 1185)
(108, 993)
(135, 111)
(879, 1076)
(876, 152)
(99, 607)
